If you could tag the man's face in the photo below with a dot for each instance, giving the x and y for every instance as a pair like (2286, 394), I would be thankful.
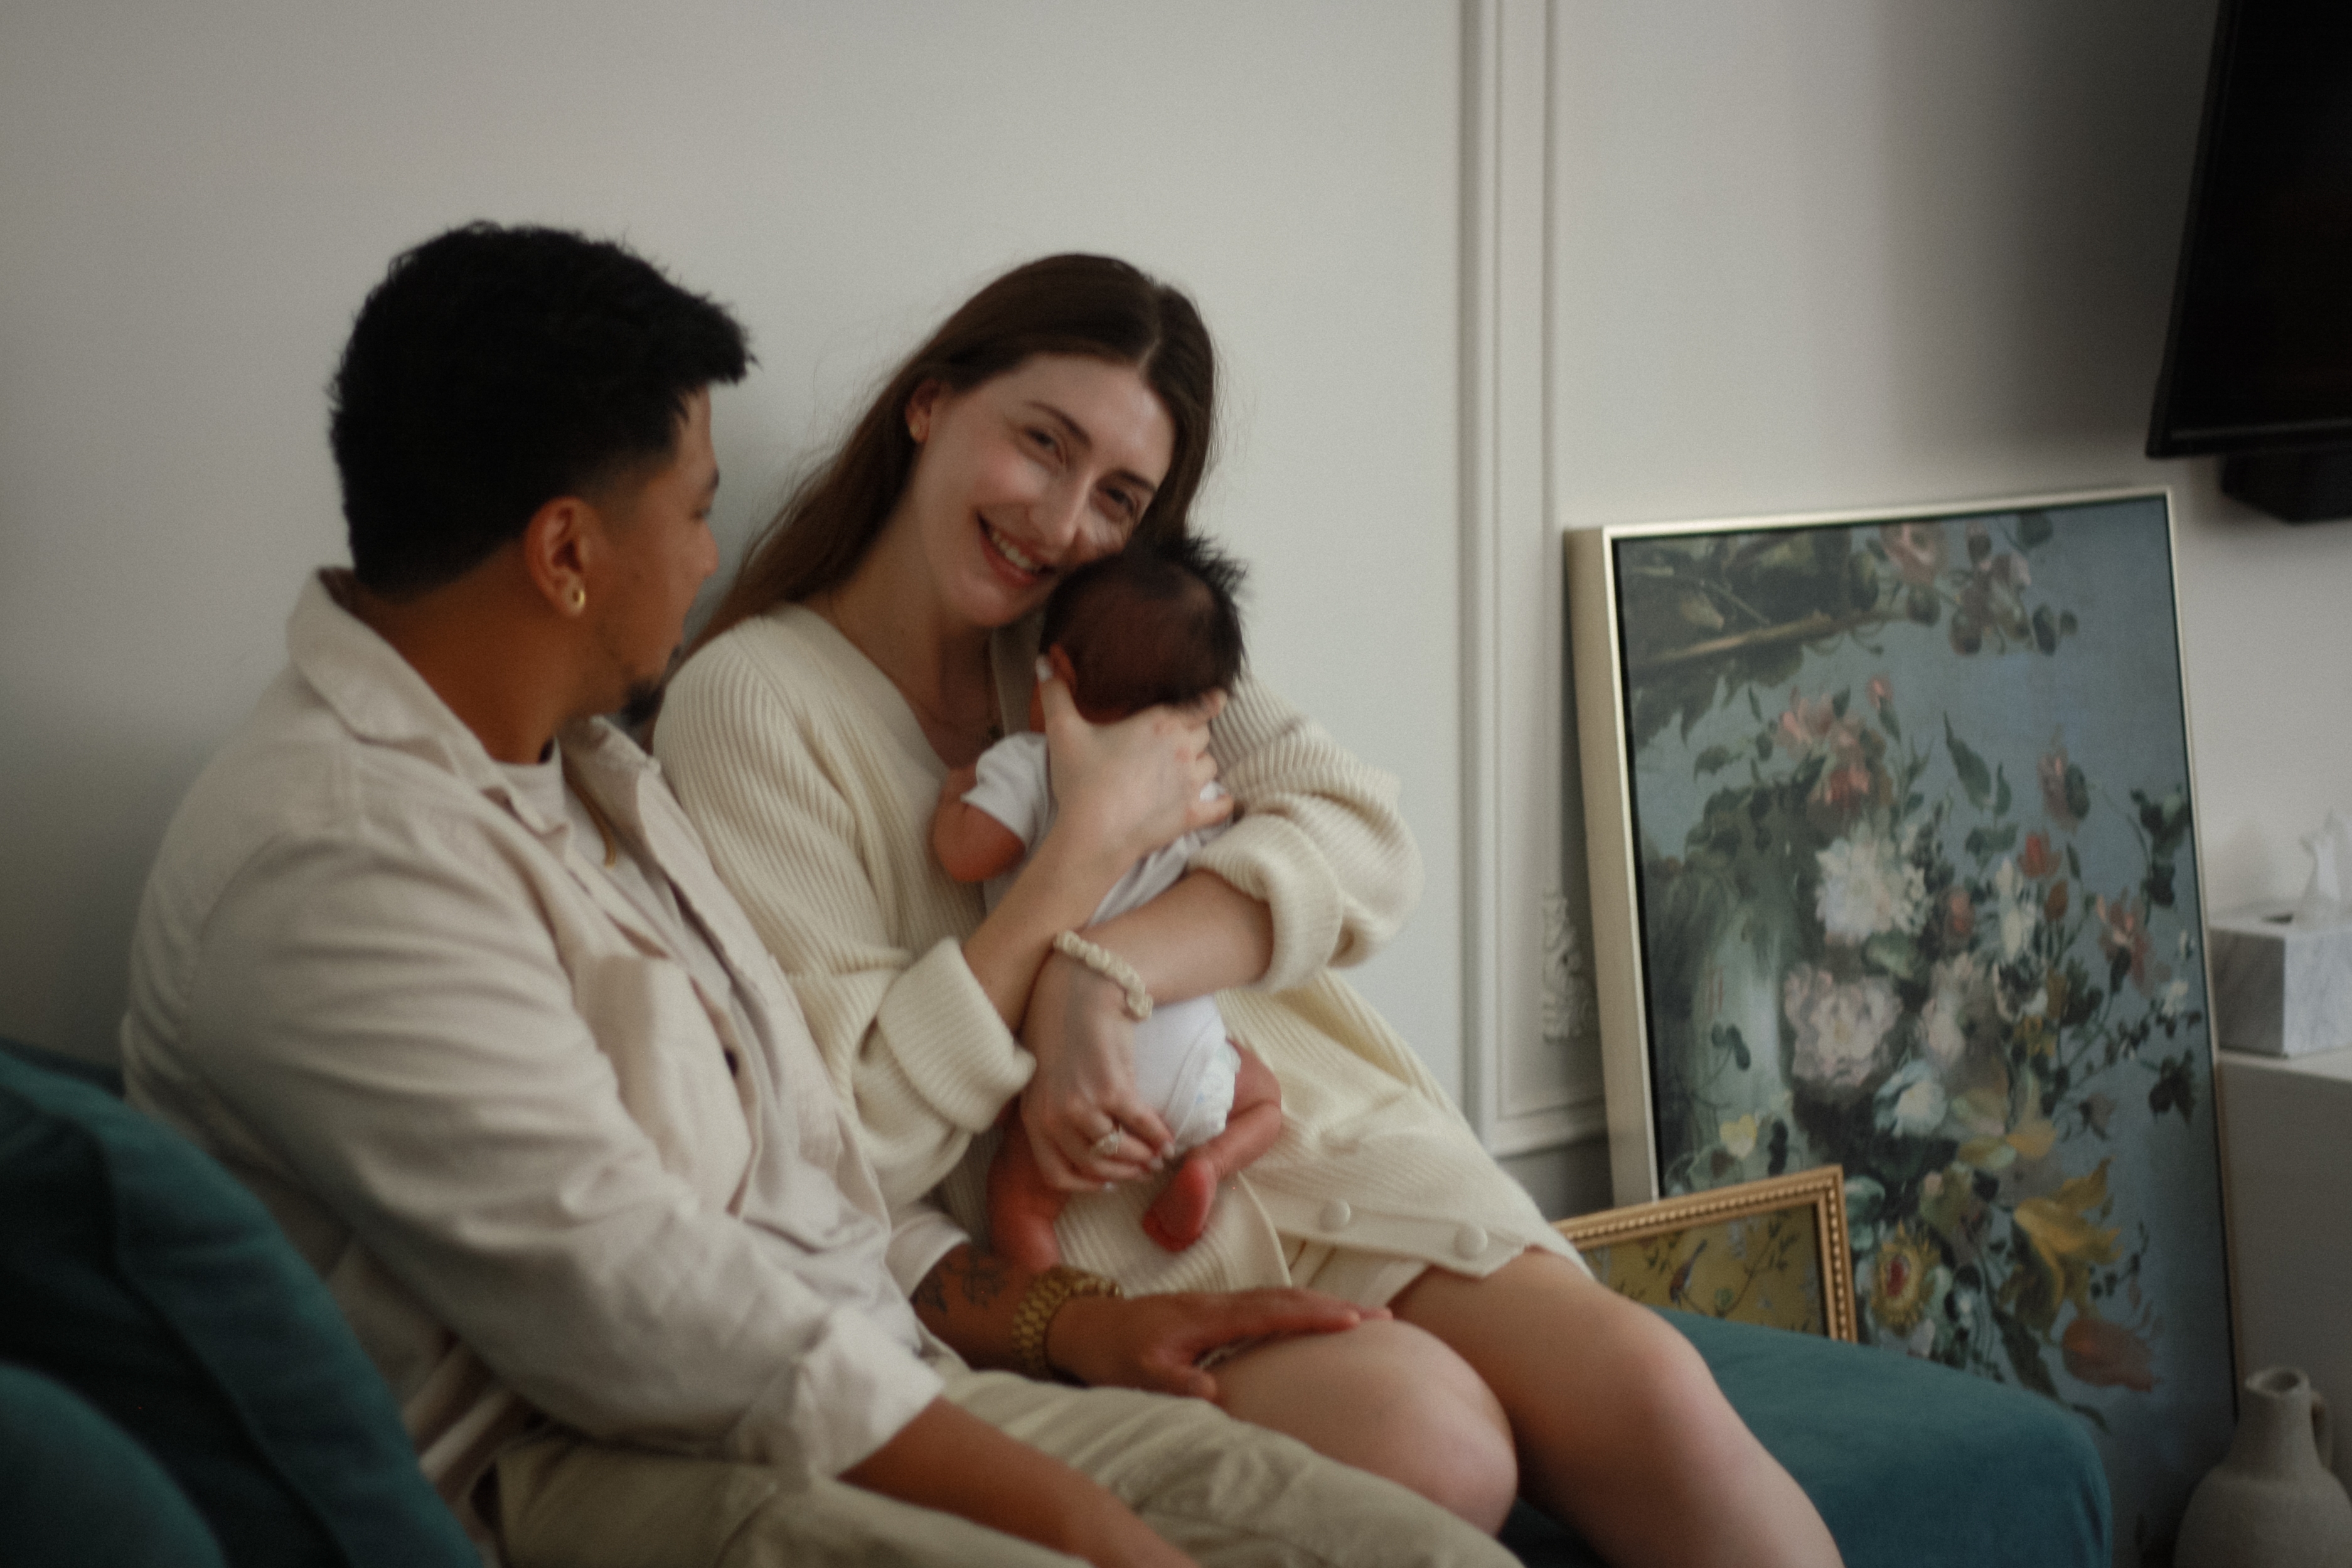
(657, 554)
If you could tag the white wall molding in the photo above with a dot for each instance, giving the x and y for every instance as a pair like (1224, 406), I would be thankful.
(1531, 1076)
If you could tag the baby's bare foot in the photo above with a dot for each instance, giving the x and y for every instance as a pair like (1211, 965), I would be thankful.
(1179, 1214)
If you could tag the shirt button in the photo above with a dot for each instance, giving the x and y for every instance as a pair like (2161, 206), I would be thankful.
(1337, 1213)
(1469, 1241)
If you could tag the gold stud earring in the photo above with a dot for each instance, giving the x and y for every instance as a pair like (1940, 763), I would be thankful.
(579, 599)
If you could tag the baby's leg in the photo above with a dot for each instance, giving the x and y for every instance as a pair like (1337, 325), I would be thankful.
(1179, 1214)
(1022, 1205)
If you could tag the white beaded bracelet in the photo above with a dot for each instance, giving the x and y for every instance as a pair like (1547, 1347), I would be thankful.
(1111, 967)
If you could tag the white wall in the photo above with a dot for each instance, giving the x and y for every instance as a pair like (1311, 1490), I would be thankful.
(1840, 252)
(193, 201)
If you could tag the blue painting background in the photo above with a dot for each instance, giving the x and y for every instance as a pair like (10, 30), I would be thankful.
(2088, 1214)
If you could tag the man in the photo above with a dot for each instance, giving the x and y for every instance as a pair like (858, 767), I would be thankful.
(431, 960)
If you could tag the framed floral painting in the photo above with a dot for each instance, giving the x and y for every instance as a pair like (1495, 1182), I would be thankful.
(1894, 868)
(1772, 1252)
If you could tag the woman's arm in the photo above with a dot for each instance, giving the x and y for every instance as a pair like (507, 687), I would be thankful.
(814, 820)
(1199, 936)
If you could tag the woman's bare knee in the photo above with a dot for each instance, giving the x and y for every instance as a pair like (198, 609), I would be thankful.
(1388, 1399)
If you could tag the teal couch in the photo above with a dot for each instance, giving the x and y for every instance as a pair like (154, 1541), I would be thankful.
(177, 1390)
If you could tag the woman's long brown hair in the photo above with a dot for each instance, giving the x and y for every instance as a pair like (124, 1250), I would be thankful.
(1095, 305)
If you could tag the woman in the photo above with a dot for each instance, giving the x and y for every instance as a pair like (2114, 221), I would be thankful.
(881, 633)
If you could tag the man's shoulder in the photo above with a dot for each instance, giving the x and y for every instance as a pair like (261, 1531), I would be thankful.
(294, 772)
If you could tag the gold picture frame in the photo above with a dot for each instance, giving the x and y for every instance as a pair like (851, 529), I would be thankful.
(1773, 1251)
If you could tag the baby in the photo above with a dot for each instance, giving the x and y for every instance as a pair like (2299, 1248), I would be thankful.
(1155, 623)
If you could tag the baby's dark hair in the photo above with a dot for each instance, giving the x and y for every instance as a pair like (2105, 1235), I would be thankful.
(1157, 623)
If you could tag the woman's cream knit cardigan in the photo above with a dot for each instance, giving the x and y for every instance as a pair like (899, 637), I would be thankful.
(814, 788)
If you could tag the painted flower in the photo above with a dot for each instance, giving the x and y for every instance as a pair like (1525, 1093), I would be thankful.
(1805, 725)
(2037, 861)
(1846, 787)
(1867, 887)
(2169, 1003)
(1841, 1028)
(1902, 1279)
(1738, 1136)
(1916, 551)
(2065, 1247)
(1993, 595)
(2052, 772)
(1948, 1203)
(1959, 914)
(2107, 1355)
(1911, 1103)
(2018, 915)
(2123, 931)
(1958, 996)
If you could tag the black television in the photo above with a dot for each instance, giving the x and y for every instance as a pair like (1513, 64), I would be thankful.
(2258, 362)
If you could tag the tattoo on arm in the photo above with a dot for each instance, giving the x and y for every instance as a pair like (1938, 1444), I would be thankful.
(978, 1279)
(984, 1278)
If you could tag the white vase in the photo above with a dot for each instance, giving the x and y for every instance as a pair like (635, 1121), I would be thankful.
(2272, 1501)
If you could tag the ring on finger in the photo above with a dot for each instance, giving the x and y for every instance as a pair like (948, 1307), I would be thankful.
(1108, 1144)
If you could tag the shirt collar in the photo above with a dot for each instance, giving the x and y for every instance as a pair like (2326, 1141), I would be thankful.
(381, 699)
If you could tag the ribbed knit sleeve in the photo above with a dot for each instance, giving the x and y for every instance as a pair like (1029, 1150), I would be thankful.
(1320, 840)
(812, 823)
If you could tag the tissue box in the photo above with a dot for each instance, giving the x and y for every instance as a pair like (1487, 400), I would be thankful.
(2278, 988)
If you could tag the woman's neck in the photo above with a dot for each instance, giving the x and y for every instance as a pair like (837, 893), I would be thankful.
(939, 665)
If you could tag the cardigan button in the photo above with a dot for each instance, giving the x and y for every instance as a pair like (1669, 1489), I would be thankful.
(1335, 1214)
(1470, 1241)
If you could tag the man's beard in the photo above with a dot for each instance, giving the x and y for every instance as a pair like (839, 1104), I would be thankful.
(643, 704)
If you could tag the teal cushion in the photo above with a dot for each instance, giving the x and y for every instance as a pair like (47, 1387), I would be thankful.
(1908, 1462)
(77, 1493)
(140, 1274)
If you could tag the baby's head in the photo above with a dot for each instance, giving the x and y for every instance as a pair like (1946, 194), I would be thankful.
(1155, 623)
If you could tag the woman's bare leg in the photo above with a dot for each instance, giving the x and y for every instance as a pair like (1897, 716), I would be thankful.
(1387, 1398)
(1620, 1430)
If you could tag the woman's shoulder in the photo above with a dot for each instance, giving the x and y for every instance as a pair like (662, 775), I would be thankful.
(771, 660)
(787, 682)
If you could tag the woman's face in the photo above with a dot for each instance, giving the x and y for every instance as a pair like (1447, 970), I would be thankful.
(1027, 476)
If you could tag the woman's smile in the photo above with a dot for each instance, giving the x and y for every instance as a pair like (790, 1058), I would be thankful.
(1028, 567)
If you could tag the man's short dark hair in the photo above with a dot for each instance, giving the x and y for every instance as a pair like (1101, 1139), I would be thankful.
(494, 369)
(1158, 622)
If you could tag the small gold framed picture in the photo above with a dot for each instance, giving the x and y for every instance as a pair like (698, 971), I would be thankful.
(1771, 1252)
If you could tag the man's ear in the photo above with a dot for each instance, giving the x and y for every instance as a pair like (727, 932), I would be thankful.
(558, 549)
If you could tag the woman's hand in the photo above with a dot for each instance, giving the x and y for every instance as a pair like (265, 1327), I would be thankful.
(1156, 1342)
(1124, 789)
(1084, 1088)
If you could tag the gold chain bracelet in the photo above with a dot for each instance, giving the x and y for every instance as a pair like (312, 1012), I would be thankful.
(1111, 967)
(1045, 1296)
